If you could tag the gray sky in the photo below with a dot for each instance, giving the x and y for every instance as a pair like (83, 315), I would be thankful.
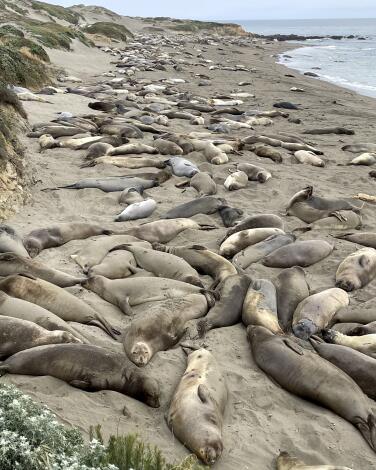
(237, 9)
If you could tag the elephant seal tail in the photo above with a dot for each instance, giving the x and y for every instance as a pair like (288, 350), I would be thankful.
(211, 296)
(207, 227)
(203, 326)
(368, 430)
(4, 368)
(89, 164)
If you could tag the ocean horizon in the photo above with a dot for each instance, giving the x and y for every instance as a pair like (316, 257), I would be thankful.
(347, 62)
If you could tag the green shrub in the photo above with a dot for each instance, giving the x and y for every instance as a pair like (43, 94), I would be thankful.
(57, 11)
(109, 30)
(11, 30)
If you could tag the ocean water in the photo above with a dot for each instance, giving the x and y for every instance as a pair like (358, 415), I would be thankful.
(350, 63)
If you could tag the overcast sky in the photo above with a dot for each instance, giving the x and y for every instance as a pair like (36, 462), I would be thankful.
(237, 9)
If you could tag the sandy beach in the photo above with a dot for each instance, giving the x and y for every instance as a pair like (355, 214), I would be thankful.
(261, 418)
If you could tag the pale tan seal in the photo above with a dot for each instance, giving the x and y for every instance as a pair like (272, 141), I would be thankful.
(236, 180)
(241, 240)
(254, 173)
(166, 147)
(361, 238)
(309, 158)
(116, 265)
(11, 242)
(133, 149)
(357, 270)
(196, 411)
(365, 344)
(339, 220)
(131, 162)
(286, 462)
(204, 184)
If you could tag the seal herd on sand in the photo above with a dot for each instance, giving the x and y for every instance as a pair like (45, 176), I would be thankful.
(311, 343)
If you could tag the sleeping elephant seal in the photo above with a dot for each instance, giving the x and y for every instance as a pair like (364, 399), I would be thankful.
(230, 215)
(241, 240)
(310, 208)
(126, 293)
(203, 183)
(360, 330)
(286, 462)
(254, 173)
(228, 310)
(357, 270)
(55, 299)
(17, 335)
(365, 344)
(315, 312)
(237, 180)
(116, 265)
(111, 184)
(161, 326)
(361, 238)
(10, 263)
(164, 264)
(202, 259)
(360, 367)
(58, 235)
(260, 306)
(301, 253)
(292, 288)
(304, 374)
(202, 205)
(86, 367)
(338, 220)
(196, 412)
(11, 242)
(257, 221)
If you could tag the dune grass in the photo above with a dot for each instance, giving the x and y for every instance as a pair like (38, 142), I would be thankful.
(57, 11)
(109, 30)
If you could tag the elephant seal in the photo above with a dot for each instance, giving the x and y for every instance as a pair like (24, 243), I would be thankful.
(346, 328)
(203, 183)
(137, 210)
(309, 158)
(315, 312)
(196, 411)
(111, 184)
(256, 252)
(99, 149)
(182, 167)
(126, 293)
(257, 221)
(166, 147)
(230, 215)
(305, 374)
(18, 308)
(11, 242)
(360, 367)
(365, 344)
(86, 367)
(57, 235)
(366, 159)
(46, 141)
(130, 196)
(241, 240)
(254, 173)
(292, 288)
(265, 151)
(310, 208)
(10, 263)
(361, 238)
(132, 162)
(237, 180)
(202, 259)
(95, 251)
(301, 253)
(357, 270)
(228, 310)
(286, 462)
(116, 265)
(339, 220)
(160, 326)
(164, 264)
(330, 130)
(360, 330)
(260, 306)
(55, 299)
(202, 205)
(361, 147)
(17, 335)
(133, 149)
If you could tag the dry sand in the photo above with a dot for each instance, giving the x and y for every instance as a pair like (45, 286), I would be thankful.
(261, 418)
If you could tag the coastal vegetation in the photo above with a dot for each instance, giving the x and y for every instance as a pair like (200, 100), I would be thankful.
(57, 11)
(109, 30)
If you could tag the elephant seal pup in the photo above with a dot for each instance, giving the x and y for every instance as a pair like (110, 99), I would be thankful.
(86, 367)
(366, 159)
(99, 149)
(132, 162)
(126, 293)
(55, 299)
(360, 330)
(361, 238)
(196, 411)
(132, 149)
(202, 205)
(305, 374)
(254, 173)
(95, 251)
(260, 306)
(11, 242)
(292, 288)
(361, 147)
(164, 264)
(315, 312)
(309, 158)
(237, 180)
(339, 220)
(17, 335)
(182, 167)
(310, 208)
(357, 270)
(57, 235)
(230, 215)
(365, 344)
(268, 152)
(116, 265)
(203, 183)
(256, 252)
(166, 147)
(202, 259)
(228, 310)
(10, 263)
(360, 367)
(137, 210)
(18, 308)
(301, 253)
(130, 196)
(111, 184)
(286, 462)
(161, 326)
(257, 221)
(241, 240)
